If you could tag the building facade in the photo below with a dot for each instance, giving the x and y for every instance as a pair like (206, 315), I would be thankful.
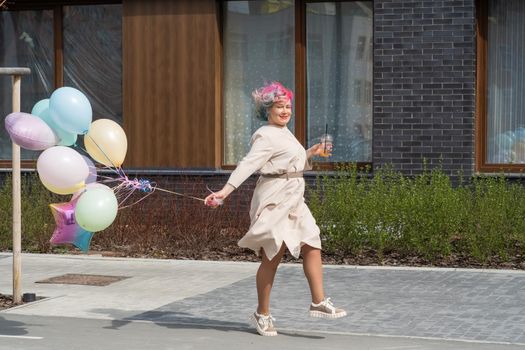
(401, 82)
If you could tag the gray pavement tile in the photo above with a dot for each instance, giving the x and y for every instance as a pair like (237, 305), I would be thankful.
(461, 305)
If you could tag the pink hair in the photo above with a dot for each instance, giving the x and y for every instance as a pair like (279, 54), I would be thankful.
(265, 96)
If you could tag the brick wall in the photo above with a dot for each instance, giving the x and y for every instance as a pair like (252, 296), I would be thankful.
(424, 84)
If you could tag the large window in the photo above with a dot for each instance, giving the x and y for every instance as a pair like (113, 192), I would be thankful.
(322, 50)
(258, 47)
(26, 40)
(501, 79)
(339, 77)
(93, 63)
(84, 53)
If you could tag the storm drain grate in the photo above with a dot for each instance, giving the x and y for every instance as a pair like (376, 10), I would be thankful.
(82, 279)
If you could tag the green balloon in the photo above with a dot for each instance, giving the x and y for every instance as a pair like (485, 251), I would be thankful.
(96, 209)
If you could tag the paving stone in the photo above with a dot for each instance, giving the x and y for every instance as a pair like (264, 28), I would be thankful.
(422, 303)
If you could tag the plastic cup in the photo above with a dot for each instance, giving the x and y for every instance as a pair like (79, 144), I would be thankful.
(327, 144)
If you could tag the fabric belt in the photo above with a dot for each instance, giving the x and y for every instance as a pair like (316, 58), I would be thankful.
(284, 176)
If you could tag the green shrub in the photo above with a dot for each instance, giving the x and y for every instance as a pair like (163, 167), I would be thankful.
(358, 211)
(37, 220)
(425, 216)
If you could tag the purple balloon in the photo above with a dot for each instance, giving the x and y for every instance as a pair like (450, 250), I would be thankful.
(29, 131)
(92, 177)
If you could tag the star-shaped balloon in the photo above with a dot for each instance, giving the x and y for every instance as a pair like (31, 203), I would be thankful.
(67, 230)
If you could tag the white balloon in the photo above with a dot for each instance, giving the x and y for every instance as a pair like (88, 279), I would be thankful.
(62, 167)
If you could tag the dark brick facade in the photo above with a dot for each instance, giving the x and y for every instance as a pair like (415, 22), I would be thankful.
(424, 84)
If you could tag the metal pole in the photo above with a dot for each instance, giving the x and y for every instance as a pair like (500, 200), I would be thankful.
(16, 74)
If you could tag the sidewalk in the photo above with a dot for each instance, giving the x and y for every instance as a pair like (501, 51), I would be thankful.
(459, 304)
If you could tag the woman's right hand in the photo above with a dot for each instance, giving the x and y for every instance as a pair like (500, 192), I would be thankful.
(216, 198)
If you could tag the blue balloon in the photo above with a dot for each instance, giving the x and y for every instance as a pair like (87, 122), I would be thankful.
(83, 240)
(70, 110)
(41, 110)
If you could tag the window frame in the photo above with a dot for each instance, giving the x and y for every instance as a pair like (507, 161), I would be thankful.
(300, 88)
(481, 116)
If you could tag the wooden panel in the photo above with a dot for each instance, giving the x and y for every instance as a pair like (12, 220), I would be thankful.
(169, 83)
(481, 92)
(300, 72)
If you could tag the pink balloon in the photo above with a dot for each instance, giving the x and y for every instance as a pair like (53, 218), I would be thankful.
(67, 229)
(29, 131)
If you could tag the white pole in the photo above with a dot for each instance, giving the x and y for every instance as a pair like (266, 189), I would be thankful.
(17, 204)
(16, 74)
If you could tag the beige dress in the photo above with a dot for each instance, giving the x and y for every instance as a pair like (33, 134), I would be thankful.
(278, 213)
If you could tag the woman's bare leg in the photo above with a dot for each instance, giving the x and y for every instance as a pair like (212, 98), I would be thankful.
(264, 280)
(313, 270)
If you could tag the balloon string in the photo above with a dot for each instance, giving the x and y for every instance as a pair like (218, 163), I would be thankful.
(179, 194)
(135, 184)
(104, 153)
(148, 187)
(129, 205)
(143, 185)
(115, 170)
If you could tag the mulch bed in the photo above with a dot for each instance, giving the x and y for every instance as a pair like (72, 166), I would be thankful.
(6, 301)
(366, 258)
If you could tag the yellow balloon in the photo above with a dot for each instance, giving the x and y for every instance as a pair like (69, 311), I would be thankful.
(106, 142)
(67, 190)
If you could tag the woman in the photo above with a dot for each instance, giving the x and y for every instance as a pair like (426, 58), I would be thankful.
(279, 217)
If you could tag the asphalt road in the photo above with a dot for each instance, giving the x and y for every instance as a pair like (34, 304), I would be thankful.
(64, 333)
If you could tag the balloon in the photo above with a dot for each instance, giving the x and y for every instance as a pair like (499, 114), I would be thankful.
(61, 167)
(92, 177)
(29, 131)
(96, 209)
(41, 110)
(70, 110)
(66, 138)
(67, 230)
(65, 190)
(106, 142)
(89, 186)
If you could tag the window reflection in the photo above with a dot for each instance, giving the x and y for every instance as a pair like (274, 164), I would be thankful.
(506, 87)
(258, 46)
(340, 80)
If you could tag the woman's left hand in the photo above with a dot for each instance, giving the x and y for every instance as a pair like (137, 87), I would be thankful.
(315, 150)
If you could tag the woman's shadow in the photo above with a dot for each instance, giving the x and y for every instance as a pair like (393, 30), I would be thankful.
(182, 320)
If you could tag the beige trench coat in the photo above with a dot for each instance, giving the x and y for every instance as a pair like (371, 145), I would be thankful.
(278, 212)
